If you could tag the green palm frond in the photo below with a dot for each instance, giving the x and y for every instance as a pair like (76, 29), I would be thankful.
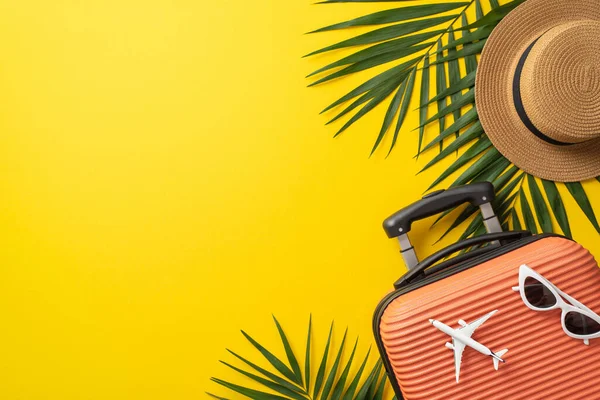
(408, 39)
(334, 380)
(439, 43)
(523, 201)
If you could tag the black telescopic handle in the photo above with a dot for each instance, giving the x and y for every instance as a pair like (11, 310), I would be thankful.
(437, 202)
(502, 237)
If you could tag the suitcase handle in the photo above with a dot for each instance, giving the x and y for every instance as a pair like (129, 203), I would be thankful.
(479, 194)
(437, 202)
(420, 269)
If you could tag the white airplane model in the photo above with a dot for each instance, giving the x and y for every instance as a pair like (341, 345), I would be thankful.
(461, 337)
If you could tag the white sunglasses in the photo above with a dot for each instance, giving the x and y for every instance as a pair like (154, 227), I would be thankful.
(539, 294)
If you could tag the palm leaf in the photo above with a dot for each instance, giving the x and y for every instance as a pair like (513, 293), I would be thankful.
(494, 16)
(380, 389)
(394, 49)
(516, 223)
(493, 171)
(467, 51)
(440, 86)
(387, 86)
(338, 389)
(333, 372)
(479, 9)
(453, 71)
(539, 205)
(368, 107)
(413, 26)
(471, 59)
(281, 389)
(391, 77)
(465, 138)
(461, 101)
(327, 386)
(557, 206)
(396, 15)
(323, 366)
(273, 377)
(390, 44)
(436, 38)
(578, 192)
(470, 117)
(289, 353)
(307, 357)
(368, 387)
(527, 214)
(424, 99)
(354, 384)
(466, 82)
(387, 33)
(405, 102)
(250, 393)
(476, 149)
(216, 397)
(468, 38)
(390, 114)
(275, 362)
(487, 159)
(375, 61)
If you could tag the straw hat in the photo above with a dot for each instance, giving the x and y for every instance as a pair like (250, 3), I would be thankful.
(537, 90)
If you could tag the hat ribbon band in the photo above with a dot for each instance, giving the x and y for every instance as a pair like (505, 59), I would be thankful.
(517, 99)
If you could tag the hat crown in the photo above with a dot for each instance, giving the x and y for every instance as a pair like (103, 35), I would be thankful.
(560, 82)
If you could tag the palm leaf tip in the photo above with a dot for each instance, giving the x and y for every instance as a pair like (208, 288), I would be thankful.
(293, 393)
(307, 356)
(404, 109)
(395, 15)
(338, 388)
(391, 32)
(215, 396)
(578, 193)
(321, 371)
(251, 393)
(273, 360)
(330, 383)
(389, 116)
(423, 111)
(293, 362)
(367, 390)
(273, 377)
(328, 386)
(349, 395)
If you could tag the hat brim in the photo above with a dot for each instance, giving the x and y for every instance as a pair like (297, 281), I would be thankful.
(494, 96)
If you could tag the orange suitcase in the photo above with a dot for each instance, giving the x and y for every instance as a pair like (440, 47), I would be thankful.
(445, 328)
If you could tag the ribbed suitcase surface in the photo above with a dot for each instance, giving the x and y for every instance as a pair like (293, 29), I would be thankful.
(542, 362)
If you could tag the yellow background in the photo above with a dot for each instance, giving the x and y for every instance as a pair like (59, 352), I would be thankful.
(166, 180)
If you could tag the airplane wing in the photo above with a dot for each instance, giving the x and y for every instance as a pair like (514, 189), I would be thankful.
(459, 348)
(470, 328)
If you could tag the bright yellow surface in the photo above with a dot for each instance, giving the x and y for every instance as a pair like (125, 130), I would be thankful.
(166, 180)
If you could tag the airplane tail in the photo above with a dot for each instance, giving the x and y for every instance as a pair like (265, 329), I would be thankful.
(497, 357)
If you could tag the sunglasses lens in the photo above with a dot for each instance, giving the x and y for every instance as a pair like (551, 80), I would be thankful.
(537, 294)
(580, 324)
